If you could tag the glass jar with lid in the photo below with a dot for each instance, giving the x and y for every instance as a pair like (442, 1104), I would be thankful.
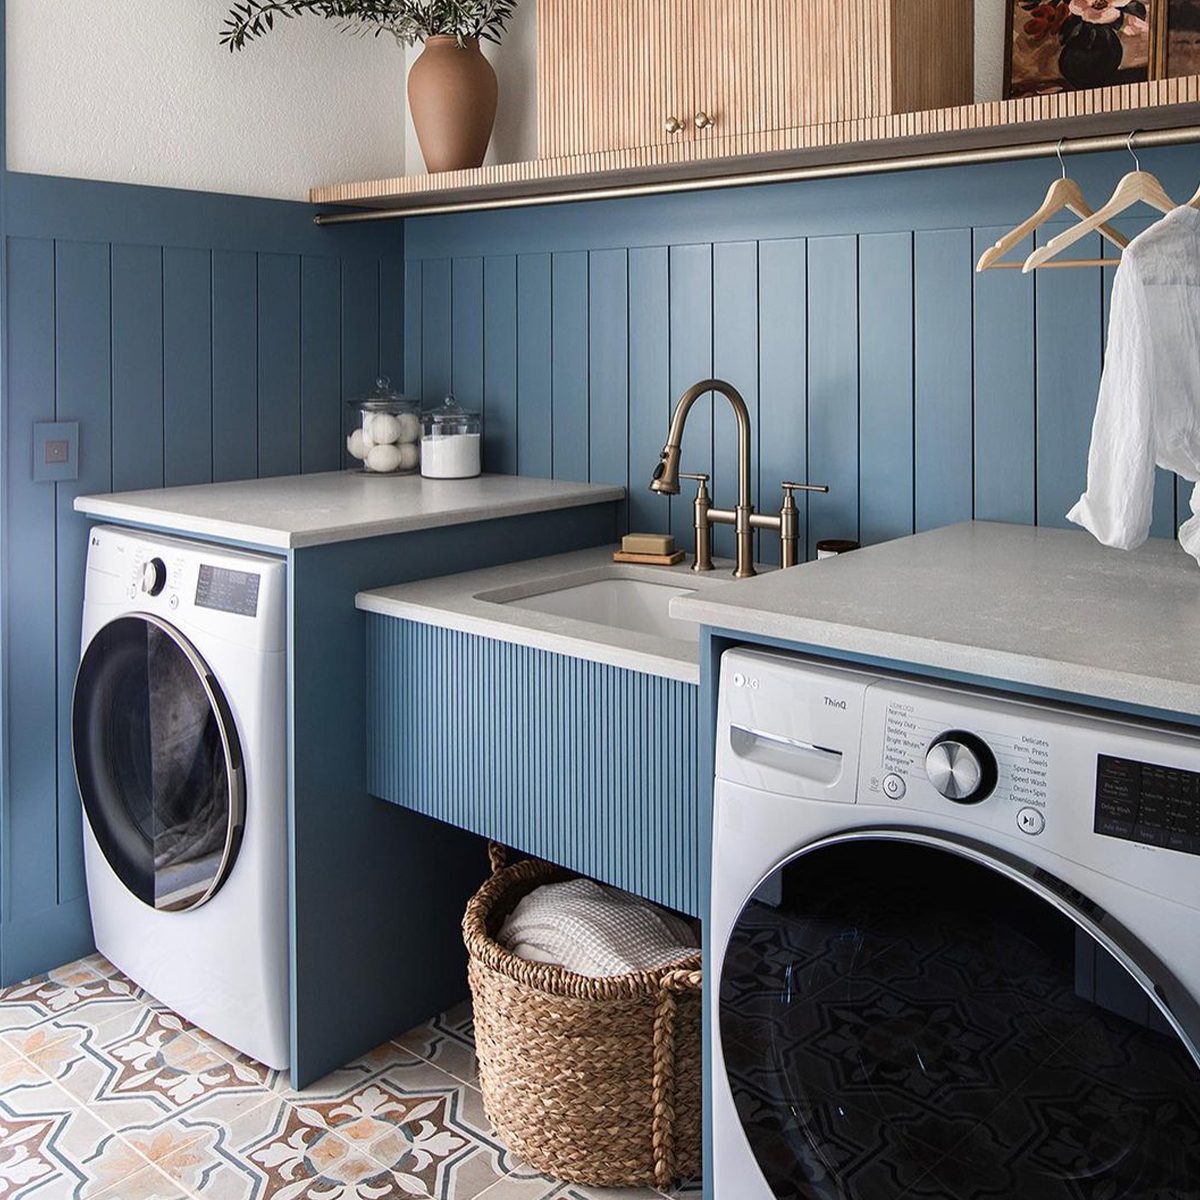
(452, 443)
(385, 431)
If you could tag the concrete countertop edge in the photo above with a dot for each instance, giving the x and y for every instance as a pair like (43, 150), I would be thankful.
(107, 507)
(1076, 679)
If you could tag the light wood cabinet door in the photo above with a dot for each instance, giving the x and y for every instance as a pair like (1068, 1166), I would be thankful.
(780, 64)
(612, 75)
(619, 74)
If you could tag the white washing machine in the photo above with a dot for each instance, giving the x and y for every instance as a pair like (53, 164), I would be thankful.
(957, 942)
(179, 733)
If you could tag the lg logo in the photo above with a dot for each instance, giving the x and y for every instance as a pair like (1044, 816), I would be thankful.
(740, 680)
(830, 702)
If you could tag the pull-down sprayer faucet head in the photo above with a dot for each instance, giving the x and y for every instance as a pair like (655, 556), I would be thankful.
(665, 480)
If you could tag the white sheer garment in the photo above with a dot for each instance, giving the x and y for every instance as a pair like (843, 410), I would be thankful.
(1148, 414)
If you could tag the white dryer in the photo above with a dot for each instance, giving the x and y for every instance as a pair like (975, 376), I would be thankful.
(956, 941)
(179, 734)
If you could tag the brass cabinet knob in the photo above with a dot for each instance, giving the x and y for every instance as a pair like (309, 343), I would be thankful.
(673, 125)
(704, 121)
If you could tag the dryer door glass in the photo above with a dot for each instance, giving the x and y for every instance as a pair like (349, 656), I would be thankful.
(158, 763)
(898, 1020)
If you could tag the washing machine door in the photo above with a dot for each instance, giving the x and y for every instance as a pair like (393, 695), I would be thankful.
(158, 763)
(900, 1017)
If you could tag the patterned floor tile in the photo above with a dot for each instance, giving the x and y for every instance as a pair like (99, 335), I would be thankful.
(107, 1095)
(276, 1151)
(540, 1188)
(414, 1120)
(448, 1042)
(143, 1066)
(78, 992)
(51, 1146)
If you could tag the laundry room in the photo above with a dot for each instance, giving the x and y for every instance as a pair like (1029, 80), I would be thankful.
(600, 599)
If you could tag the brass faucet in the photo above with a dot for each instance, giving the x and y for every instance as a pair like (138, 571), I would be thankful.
(742, 517)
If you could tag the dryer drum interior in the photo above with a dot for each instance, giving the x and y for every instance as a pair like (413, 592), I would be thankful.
(158, 763)
(899, 1020)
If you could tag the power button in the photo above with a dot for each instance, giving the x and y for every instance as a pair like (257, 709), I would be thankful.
(1031, 821)
(894, 786)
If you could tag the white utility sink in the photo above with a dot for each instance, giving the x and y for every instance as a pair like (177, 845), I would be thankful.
(614, 600)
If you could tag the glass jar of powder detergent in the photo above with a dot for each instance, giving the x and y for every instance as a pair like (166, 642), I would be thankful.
(452, 442)
(385, 431)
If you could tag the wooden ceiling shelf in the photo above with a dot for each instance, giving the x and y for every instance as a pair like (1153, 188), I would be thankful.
(1164, 112)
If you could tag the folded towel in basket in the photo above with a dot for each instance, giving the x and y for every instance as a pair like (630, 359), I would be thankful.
(595, 930)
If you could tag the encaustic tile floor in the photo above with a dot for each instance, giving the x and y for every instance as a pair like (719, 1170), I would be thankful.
(106, 1095)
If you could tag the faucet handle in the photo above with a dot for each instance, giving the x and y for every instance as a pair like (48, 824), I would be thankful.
(699, 477)
(789, 488)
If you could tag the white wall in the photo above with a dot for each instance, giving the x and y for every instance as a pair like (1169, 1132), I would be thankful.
(140, 91)
(516, 65)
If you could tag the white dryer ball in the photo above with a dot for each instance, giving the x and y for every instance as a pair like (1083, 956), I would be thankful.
(410, 427)
(383, 429)
(383, 458)
(357, 445)
(409, 456)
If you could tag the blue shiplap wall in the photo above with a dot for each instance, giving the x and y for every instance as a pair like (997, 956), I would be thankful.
(847, 311)
(194, 338)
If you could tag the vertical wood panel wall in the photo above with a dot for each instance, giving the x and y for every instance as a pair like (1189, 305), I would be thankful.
(187, 354)
(871, 355)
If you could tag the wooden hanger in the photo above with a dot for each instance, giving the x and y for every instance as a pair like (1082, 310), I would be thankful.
(1064, 193)
(1138, 187)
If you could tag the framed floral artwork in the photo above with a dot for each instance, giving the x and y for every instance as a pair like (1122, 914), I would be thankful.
(1066, 45)
(1178, 39)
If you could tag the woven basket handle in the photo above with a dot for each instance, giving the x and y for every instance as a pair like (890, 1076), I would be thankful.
(665, 1019)
(497, 857)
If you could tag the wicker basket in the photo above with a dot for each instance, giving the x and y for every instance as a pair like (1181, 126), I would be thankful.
(592, 1081)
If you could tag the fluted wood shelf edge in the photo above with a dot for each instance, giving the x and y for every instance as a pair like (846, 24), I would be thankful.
(880, 143)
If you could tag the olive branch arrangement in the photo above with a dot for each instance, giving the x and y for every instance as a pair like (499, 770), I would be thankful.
(408, 21)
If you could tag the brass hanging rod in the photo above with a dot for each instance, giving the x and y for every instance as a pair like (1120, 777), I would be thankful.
(1146, 139)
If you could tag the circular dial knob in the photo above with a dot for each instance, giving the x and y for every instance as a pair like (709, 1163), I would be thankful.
(961, 767)
(154, 576)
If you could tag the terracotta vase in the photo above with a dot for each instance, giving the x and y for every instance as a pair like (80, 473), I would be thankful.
(452, 94)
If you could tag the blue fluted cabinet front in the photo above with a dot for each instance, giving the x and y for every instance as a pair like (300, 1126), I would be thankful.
(586, 765)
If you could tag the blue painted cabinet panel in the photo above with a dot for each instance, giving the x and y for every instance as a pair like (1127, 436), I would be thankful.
(500, 364)
(535, 389)
(942, 353)
(690, 313)
(1005, 388)
(735, 357)
(783, 374)
(188, 450)
(885, 350)
(589, 766)
(137, 367)
(569, 366)
(278, 364)
(649, 383)
(833, 416)
(83, 320)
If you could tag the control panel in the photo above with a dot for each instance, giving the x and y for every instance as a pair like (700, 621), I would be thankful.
(1119, 795)
(228, 593)
(1145, 803)
(227, 590)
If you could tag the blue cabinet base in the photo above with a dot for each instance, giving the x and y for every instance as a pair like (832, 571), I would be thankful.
(377, 893)
(589, 766)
